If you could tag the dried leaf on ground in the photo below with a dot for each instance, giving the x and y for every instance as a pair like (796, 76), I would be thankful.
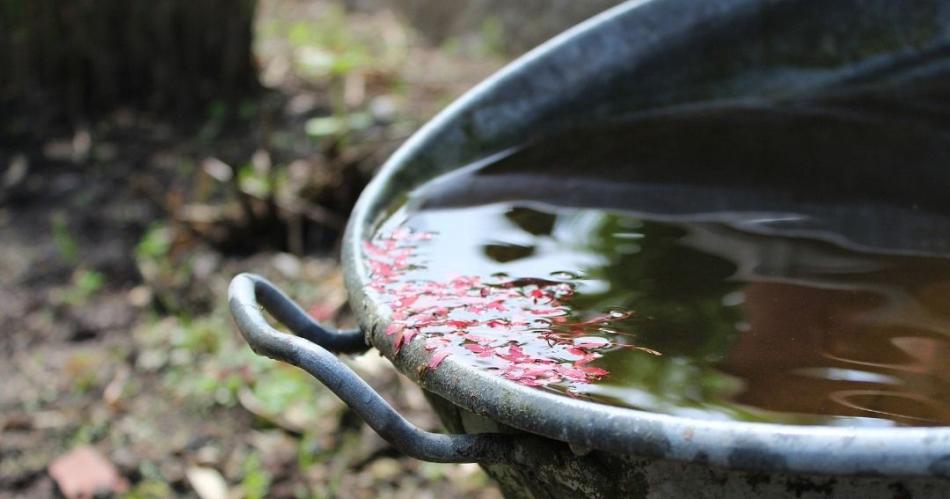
(84, 473)
(207, 482)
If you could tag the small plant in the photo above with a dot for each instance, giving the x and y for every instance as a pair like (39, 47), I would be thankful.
(65, 243)
(85, 284)
(256, 481)
(154, 244)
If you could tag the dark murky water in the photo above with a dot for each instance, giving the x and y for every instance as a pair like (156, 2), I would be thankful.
(808, 295)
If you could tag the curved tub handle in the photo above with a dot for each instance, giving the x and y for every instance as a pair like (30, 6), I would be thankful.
(247, 290)
(249, 294)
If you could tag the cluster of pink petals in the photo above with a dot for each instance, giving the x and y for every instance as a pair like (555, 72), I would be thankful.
(519, 329)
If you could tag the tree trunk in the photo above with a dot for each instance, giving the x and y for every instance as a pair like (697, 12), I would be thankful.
(88, 56)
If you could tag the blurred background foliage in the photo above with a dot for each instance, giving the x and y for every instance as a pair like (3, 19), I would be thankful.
(90, 56)
(151, 150)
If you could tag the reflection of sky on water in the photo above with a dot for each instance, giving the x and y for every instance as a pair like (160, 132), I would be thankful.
(839, 374)
(464, 233)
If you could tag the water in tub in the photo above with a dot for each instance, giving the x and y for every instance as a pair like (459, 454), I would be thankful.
(736, 263)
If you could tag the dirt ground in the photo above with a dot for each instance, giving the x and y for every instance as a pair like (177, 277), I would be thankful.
(117, 242)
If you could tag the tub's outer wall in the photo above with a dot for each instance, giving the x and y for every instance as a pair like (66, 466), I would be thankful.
(640, 56)
(585, 473)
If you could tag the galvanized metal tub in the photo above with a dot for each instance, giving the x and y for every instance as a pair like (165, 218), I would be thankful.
(641, 57)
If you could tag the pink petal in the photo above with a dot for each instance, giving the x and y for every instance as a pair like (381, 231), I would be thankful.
(595, 371)
(397, 343)
(437, 358)
(394, 328)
